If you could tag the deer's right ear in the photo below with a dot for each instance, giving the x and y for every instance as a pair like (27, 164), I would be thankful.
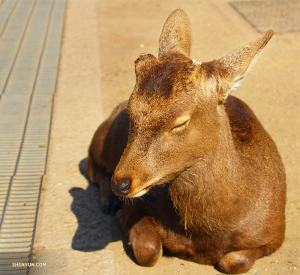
(176, 35)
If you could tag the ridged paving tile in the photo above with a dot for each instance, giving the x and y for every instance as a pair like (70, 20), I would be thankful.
(281, 15)
(30, 40)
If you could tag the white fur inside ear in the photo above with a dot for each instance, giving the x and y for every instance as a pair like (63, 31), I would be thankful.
(198, 63)
(252, 63)
(237, 82)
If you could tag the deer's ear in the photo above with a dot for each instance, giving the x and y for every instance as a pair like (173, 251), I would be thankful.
(235, 65)
(176, 35)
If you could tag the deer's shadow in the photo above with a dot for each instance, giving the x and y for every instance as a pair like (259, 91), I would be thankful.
(95, 229)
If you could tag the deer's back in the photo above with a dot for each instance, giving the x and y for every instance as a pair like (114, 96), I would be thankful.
(110, 139)
(256, 149)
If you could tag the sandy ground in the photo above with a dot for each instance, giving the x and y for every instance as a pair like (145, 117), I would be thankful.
(101, 41)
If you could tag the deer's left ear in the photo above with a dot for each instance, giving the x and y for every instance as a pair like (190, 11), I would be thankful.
(234, 66)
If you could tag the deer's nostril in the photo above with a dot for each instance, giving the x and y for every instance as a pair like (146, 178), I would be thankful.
(121, 188)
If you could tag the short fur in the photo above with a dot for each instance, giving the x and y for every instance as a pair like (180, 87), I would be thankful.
(214, 181)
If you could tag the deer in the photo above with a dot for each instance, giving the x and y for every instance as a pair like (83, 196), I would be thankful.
(197, 175)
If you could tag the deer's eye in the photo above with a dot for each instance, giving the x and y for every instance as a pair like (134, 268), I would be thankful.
(180, 124)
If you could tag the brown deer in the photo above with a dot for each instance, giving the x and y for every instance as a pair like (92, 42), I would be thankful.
(211, 179)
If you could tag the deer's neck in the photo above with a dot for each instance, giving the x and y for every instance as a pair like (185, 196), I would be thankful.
(210, 188)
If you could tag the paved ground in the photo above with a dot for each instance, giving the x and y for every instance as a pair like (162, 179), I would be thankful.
(101, 41)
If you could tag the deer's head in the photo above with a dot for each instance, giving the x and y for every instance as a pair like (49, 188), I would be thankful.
(176, 107)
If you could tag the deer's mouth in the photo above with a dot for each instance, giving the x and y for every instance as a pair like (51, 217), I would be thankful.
(140, 193)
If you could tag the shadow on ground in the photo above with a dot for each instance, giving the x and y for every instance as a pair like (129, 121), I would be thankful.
(95, 229)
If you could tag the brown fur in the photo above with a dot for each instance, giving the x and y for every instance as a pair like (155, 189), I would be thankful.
(214, 181)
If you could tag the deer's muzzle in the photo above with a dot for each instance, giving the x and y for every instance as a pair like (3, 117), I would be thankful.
(121, 188)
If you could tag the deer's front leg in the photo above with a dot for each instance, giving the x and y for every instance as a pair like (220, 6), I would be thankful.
(143, 235)
(109, 202)
(146, 242)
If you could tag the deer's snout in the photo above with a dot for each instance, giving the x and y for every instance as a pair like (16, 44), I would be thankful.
(121, 188)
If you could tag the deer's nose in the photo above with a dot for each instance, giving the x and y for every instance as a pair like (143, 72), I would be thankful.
(121, 188)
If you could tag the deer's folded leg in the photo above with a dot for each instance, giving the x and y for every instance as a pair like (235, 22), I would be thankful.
(146, 242)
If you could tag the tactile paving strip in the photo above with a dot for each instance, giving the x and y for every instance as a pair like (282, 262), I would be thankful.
(280, 15)
(30, 40)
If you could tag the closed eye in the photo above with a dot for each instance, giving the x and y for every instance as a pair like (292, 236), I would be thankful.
(180, 125)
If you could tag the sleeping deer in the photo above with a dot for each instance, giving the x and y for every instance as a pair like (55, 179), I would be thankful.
(210, 179)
